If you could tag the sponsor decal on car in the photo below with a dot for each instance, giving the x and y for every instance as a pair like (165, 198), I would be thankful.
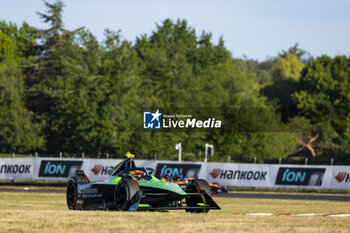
(343, 176)
(59, 168)
(173, 169)
(300, 176)
(88, 191)
(238, 174)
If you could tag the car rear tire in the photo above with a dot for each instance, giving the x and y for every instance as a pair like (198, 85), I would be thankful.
(196, 186)
(71, 194)
(124, 192)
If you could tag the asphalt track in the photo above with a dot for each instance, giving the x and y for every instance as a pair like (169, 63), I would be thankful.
(281, 196)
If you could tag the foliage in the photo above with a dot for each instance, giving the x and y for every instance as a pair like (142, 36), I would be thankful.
(65, 91)
(323, 95)
(18, 132)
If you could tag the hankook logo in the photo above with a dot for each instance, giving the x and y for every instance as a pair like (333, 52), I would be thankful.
(238, 174)
(102, 170)
(341, 177)
(215, 173)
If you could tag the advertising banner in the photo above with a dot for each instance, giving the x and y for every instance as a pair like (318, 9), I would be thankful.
(95, 169)
(230, 174)
(303, 176)
(300, 176)
(176, 169)
(56, 169)
(234, 174)
(270, 175)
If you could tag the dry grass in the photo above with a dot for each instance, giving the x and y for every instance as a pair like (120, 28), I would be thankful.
(36, 212)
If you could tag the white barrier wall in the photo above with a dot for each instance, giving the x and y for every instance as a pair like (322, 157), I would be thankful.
(275, 175)
(231, 174)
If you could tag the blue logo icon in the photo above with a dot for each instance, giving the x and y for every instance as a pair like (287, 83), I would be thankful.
(151, 120)
(57, 169)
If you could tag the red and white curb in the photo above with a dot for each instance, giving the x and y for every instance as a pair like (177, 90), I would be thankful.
(298, 215)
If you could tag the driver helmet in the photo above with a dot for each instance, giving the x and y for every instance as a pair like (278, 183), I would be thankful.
(137, 174)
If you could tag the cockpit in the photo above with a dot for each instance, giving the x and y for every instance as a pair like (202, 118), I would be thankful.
(127, 168)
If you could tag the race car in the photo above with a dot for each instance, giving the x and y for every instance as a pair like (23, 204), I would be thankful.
(132, 188)
(215, 188)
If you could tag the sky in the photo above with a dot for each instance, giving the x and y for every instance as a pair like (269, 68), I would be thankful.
(257, 29)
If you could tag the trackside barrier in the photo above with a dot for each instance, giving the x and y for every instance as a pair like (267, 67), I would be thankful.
(231, 174)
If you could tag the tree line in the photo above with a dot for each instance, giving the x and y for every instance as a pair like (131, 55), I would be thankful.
(64, 91)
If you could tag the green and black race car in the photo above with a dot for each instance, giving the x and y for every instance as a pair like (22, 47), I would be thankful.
(132, 188)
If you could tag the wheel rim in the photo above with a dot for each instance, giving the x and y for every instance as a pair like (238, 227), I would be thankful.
(121, 197)
(71, 197)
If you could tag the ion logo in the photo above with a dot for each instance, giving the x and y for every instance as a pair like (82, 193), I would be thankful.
(151, 120)
(173, 169)
(291, 176)
(300, 176)
(54, 169)
(58, 168)
(341, 176)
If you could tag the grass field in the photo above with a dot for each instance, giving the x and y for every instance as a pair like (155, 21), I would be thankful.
(40, 212)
